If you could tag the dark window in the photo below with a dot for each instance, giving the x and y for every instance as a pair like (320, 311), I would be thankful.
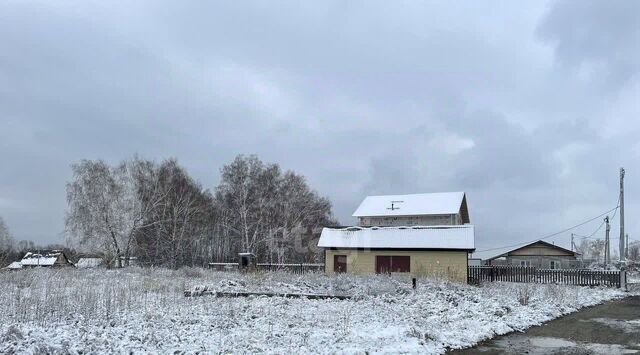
(386, 264)
(339, 263)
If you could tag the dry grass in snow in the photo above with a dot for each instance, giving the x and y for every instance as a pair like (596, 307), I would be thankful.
(144, 311)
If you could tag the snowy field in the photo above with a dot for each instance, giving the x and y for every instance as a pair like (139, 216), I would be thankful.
(145, 311)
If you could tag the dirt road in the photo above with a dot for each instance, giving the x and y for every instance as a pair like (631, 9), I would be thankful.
(610, 328)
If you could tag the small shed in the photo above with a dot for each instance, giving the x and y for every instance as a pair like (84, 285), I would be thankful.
(246, 261)
(51, 258)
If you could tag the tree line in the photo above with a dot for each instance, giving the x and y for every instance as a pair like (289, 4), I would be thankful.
(159, 214)
(593, 251)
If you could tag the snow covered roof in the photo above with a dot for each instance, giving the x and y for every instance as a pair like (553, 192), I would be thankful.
(534, 244)
(14, 265)
(419, 237)
(440, 203)
(48, 258)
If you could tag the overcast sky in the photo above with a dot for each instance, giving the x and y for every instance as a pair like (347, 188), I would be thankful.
(529, 107)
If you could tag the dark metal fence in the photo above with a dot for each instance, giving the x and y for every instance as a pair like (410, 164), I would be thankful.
(477, 274)
(292, 268)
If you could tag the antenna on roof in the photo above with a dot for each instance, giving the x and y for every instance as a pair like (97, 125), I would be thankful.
(393, 207)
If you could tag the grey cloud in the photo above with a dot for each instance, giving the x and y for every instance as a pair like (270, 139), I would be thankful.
(596, 37)
(361, 98)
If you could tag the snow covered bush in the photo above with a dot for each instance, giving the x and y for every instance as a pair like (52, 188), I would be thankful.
(524, 294)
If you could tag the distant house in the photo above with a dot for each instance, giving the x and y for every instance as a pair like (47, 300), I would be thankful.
(51, 258)
(420, 234)
(89, 263)
(538, 254)
(475, 262)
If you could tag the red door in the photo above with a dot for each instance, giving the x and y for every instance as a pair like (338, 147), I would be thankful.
(400, 264)
(383, 264)
(388, 263)
(339, 263)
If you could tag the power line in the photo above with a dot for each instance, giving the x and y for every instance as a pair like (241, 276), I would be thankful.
(617, 208)
(592, 234)
(553, 234)
(600, 226)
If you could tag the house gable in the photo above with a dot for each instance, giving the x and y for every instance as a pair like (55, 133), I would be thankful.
(538, 248)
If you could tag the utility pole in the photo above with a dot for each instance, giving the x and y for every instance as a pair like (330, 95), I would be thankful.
(622, 243)
(572, 242)
(606, 243)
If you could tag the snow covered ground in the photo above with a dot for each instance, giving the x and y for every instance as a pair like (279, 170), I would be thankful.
(144, 311)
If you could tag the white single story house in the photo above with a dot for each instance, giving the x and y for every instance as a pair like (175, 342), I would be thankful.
(540, 254)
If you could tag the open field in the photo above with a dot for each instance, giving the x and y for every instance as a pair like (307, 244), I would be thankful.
(144, 310)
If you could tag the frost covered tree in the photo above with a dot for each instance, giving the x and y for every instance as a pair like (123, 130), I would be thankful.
(266, 211)
(592, 250)
(241, 200)
(105, 209)
(25, 246)
(179, 225)
(165, 217)
(7, 244)
(298, 209)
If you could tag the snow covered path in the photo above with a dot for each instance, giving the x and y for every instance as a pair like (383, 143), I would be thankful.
(144, 311)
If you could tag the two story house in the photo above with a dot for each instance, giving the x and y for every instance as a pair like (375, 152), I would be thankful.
(421, 234)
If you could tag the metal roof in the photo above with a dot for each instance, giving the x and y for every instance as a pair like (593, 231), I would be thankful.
(416, 237)
(504, 254)
(439, 203)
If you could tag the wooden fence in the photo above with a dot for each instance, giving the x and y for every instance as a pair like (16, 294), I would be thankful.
(292, 268)
(477, 274)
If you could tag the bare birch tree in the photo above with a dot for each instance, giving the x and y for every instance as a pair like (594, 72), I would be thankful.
(163, 216)
(180, 221)
(267, 210)
(105, 210)
(7, 244)
(238, 194)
